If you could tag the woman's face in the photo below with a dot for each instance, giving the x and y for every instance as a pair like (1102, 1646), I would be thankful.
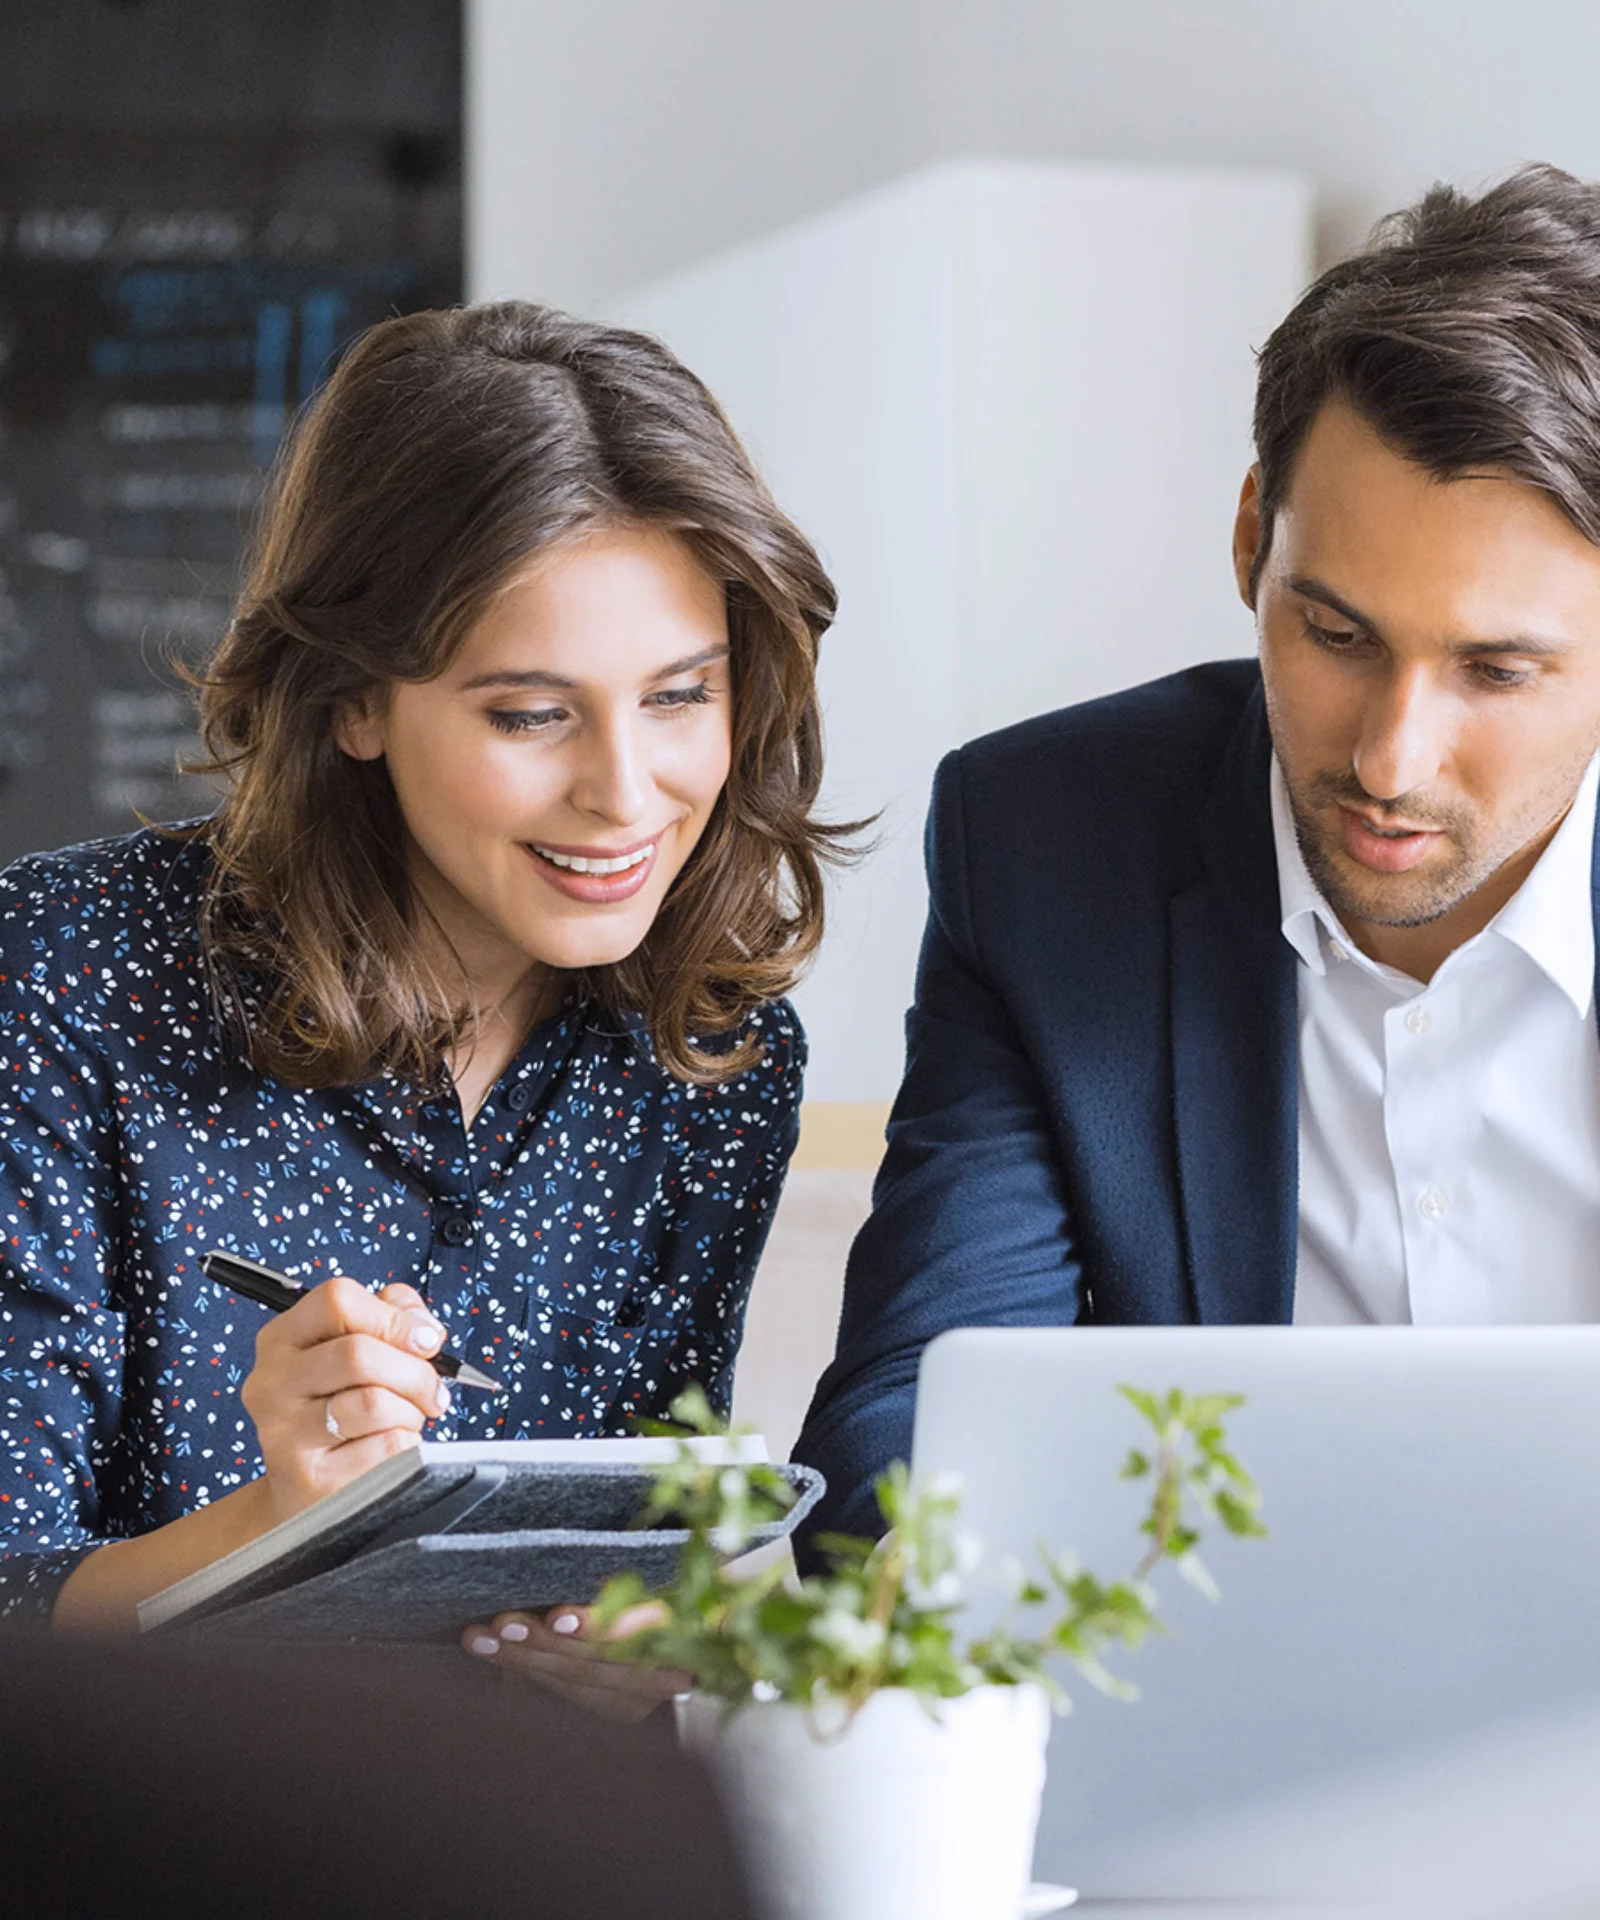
(555, 778)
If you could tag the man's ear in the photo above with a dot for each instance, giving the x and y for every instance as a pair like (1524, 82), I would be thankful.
(1247, 535)
(359, 729)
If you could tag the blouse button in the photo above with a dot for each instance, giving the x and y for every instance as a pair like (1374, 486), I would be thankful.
(520, 1098)
(455, 1230)
(630, 1313)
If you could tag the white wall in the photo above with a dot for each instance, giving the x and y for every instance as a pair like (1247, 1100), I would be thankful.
(994, 394)
(611, 141)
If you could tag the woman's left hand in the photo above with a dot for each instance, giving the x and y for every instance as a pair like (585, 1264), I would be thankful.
(555, 1650)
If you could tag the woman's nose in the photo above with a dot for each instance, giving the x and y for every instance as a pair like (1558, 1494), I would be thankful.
(613, 782)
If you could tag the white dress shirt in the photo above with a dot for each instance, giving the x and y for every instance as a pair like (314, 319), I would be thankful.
(1450, 1134)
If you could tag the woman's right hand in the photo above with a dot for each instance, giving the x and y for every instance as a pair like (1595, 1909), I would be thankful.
(342, 1380)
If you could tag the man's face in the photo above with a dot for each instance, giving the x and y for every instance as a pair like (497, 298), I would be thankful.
(1431, 654)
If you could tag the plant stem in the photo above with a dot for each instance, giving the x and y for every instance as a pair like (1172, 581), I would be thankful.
(1164, 1507)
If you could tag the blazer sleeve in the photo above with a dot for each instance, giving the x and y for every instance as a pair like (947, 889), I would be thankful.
(969, 1224)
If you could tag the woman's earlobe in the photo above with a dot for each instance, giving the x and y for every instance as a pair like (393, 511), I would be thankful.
(358, 731)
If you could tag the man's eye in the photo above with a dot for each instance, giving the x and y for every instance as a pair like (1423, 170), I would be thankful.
(524, 720)
(1492, 676)
(1335, 639)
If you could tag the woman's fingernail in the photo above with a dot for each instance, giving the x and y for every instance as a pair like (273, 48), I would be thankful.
(484, 1643)
(565, 1623)
(514, 1630)
(426, 1335)
(441, 1399)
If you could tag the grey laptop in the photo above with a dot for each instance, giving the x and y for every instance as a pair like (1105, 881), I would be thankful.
(1433, 1562)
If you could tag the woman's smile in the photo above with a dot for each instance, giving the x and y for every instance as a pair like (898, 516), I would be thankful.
(593, 875)
(582, 734)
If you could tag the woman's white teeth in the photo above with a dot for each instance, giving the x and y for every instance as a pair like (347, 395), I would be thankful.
(581, 863)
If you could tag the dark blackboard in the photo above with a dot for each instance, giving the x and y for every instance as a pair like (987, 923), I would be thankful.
(200, 205)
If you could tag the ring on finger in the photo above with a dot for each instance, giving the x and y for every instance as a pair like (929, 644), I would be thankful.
(328, 1419)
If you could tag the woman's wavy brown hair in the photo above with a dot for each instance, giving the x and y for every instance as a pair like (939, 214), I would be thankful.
(445, 450)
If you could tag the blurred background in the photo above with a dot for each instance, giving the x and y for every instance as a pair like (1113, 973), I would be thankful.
(979, 281)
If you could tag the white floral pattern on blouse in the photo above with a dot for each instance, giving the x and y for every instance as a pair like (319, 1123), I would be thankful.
(590, 1240)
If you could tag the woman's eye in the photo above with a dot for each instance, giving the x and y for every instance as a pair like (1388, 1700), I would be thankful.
(675, 697)
(524, 720)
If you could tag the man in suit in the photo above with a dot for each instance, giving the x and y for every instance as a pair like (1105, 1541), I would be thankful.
(1265, 993)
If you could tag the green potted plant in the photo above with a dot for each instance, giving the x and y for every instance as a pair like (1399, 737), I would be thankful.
(880, 1758)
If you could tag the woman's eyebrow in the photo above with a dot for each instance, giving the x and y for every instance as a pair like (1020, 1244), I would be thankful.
(505, 677)
(693, 660)
(536, 677)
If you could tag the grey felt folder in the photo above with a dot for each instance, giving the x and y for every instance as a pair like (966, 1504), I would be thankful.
(446, 1534)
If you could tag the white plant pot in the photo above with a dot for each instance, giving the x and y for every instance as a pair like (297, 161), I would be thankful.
(893, 1816)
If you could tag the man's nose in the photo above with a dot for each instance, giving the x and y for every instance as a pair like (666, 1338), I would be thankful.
(1401, 745)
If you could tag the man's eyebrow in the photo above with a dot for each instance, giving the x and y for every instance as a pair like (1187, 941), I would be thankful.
(1526, 643)
(534, 677)
(1311, 589)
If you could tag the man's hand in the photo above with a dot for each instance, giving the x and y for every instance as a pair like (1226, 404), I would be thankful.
(555, 1651)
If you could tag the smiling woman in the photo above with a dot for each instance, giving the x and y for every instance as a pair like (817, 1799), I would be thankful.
(465, 1009)
(556, 779)
(486, 504)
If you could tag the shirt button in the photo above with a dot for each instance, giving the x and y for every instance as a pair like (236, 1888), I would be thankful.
(1431, 1203)
(1419, 1020)
(1339, 952)
(520, 1098)
(455, 1230)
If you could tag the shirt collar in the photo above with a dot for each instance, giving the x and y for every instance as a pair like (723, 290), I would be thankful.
(1299, 897)
(1550, 917)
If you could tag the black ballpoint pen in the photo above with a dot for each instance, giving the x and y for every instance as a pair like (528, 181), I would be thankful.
(277, 1291)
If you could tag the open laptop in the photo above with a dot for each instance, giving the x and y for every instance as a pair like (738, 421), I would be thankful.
(1432, 1565)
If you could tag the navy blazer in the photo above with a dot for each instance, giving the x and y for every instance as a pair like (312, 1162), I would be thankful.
(1098, 1117)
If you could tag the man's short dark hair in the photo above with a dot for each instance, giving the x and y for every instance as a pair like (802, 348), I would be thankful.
(1467, 334)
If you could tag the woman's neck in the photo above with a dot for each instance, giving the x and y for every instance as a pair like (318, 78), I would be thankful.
(505, 991)
(497, 1033)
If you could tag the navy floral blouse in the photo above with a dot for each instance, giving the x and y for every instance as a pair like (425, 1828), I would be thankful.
(590, 1240)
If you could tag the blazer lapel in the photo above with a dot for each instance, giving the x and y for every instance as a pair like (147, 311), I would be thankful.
(1235, 1051)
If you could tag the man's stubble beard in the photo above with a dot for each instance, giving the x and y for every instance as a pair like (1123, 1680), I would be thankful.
(1395, 900)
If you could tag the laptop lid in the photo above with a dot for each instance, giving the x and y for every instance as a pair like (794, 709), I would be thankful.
(1432, 1565)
